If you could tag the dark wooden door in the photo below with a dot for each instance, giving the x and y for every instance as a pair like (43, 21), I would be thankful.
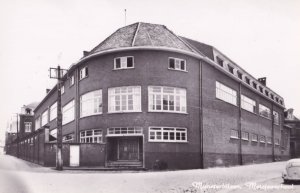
(128, 149)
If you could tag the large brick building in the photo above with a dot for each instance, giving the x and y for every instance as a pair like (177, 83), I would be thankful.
(147, 97)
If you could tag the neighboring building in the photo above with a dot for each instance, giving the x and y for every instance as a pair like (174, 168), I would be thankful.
(146, 97)
(293, 123)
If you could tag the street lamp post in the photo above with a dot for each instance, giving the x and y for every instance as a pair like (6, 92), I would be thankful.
(57, 73)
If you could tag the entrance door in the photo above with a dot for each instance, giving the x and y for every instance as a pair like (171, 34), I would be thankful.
(128, 149)
(74, 155)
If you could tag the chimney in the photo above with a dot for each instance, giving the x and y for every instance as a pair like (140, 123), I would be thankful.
(263, 81)
(85, 53)
(47, 90)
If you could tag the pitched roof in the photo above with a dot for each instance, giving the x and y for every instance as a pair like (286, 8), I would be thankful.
(143, 34)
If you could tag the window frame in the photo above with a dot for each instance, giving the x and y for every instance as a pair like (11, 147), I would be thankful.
(45, 116)
(83, 73)
(113, 97)
(93, 98)
(276, 120)
(262, 139)
(27, 127)
(243, 136)
(178, 99)
(254, 137)
(219, 91)
(179, 60)
(64, 111)
(220, 61)
(234, 134)
(122, 67)
(175, 130)
(265, 108)
(72, 80)
(51, 111)
(244, 101)
(83, 138)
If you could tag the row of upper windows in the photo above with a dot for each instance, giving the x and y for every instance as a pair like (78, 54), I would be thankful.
(234, 134)
(255, 85)
(120, 99)
(127, 62)
(229, 95)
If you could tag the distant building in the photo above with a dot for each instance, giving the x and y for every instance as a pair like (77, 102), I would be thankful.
(146, 97)
(293, 123)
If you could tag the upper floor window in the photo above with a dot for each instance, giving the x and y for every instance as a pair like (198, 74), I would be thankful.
(177, 64)
(230, 68)
(267, 93)
(91, 103)
(220, 61)
(264, 111)
(83, 73)
(27, 127)
(276, 117)
(37, 123)
(124, 99)
(68, 112)
(72, 80)
(45, 118)
(254, 85)
(272, 96)
(248, 104)
(261, 89)
(91, 136)
(68, 137)
(53, 135)
(240, 75)
(225, 93)
(53, 111)
(167, 99)
(247, 80)
(124, 62)
(167, 134)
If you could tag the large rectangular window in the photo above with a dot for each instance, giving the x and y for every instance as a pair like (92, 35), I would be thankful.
(276, 117)
(91, 136)
(225, 93)
(248, 104)
(68, 112)
(177, 64)
(53, 111)
(124, 62)
(167, 99)
(27, 127)
(167, 134)
(91, 103)
(124, 99)
(45, 118)
(264, 111)
(122, 131)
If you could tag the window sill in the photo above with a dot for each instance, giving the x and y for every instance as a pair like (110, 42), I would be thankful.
(161, 141)
(90, 115)
(254, 141)
(124, 112)
(168, 112)
(231, 137)
(245, 139)
(123, 68)
(177, 70)
(249, 111)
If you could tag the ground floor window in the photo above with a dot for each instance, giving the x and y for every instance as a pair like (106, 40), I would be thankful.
(234, 134)
(117, 131)
(68, 138)
(254, 137)
(91, 136)
(167, 134)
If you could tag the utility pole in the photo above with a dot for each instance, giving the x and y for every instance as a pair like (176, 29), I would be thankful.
(57, 73)
(17, 135)
(125, 16)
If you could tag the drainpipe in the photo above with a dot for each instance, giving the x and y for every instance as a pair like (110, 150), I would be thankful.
(240, 126)
(77, 103)
(272, 133)
(201, 115)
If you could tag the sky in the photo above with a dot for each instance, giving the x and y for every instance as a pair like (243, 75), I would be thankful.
(262, 36)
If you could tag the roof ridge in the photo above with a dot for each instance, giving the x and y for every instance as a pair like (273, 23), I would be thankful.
(136, 31)
(194, 47)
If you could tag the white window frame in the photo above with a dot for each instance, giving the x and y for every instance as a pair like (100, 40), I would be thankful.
(72, 80)
(262, 139)
(277, 141)
(158, 94)
(124, 99)
(95, 137)
(125, 131)
(44, 118)
(254, 137)
(248, 104)
(269, 140)
(234, 134)
(276, 117)
(226, 93)
(91, 103)
(53, 133)
(177, 64)
(53, 111)
(123, 62)
(83, 73)
(176, 132)
(28, 127)
(245, 136)
(68, 108)
(263, 109)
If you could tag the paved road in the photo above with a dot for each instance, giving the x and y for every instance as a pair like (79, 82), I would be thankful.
(18, 176)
